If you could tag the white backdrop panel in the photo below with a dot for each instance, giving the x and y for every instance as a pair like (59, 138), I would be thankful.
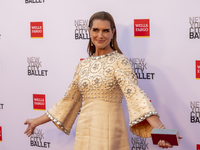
(169, 53)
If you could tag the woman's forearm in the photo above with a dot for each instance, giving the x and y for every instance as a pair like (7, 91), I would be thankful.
(155, 122)
(41, 120)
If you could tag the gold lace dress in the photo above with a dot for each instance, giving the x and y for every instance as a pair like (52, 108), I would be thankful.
(98, 86)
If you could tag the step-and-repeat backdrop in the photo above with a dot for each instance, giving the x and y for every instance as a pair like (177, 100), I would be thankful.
(42, 41)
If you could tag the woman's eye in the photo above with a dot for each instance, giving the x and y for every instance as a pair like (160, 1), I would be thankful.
(106, 30)
(94, 29)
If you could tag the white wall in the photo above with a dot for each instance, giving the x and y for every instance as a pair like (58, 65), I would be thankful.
(168, 52)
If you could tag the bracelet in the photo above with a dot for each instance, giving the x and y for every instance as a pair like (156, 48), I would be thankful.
(160, 126)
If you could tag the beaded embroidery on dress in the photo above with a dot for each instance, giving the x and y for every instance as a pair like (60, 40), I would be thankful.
(99, 85)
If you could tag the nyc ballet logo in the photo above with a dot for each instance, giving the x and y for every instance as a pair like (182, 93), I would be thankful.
(195, 113)
(81, 31)
(37, 138)
(194, 30)
(139, 143)
(139, 66)
(34, 65)
(1, 106)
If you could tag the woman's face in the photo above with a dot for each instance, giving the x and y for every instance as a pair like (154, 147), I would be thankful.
(101, 34)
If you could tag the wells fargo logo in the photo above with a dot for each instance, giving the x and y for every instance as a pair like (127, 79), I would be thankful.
(198, 69)
(141, 28)
(0, 134)
(198, 146)
(36, 29)
(39, 102)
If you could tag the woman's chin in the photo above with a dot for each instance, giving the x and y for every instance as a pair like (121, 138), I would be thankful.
(101, 47)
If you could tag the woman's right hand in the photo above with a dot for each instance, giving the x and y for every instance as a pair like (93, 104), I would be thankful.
(32, 123)
(30, 128)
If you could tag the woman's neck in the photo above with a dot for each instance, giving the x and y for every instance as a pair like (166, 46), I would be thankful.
(100, 52)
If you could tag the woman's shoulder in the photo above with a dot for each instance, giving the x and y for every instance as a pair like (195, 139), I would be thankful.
(123, 62)
(121, 57)
(83, 62)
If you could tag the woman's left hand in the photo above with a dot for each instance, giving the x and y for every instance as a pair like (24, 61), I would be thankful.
(164, 144)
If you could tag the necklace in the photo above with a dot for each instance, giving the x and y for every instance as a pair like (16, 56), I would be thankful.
(102, 56)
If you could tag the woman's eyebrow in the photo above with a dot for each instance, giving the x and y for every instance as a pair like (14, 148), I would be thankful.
(103, 29)
(107, 29)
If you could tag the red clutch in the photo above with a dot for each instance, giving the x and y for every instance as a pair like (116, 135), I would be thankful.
(168, 135)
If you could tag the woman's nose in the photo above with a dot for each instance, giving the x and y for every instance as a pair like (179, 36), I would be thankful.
(100, 34)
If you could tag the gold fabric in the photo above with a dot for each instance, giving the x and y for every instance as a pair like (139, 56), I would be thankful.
(99, 85)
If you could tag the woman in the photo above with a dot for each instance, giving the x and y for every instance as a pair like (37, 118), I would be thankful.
(99, 84)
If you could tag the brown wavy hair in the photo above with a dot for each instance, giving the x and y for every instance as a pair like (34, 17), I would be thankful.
(102, 15)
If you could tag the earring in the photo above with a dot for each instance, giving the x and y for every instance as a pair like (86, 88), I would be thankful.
(112, 42)
(91, 42)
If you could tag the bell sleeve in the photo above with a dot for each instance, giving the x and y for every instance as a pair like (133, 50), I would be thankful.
(139, 105)
(65, 111)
